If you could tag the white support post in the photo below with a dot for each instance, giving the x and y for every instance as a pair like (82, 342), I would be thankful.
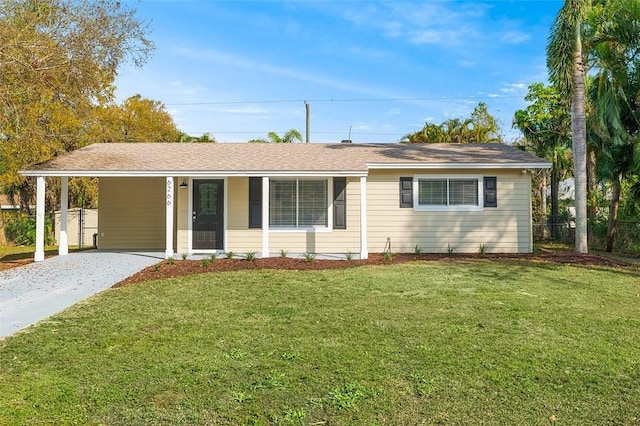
(63, 244)
(168, 252)
(40, 190)
(364, 251)
(265, 217)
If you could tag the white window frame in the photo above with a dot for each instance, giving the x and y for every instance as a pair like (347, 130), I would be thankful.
(448, 208)
(327, 228)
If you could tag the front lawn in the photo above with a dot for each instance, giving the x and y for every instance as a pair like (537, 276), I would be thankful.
(446, 342)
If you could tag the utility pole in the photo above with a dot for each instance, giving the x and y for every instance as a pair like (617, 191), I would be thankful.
(306, 105)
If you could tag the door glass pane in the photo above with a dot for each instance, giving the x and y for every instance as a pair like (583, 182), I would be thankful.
(208, 198)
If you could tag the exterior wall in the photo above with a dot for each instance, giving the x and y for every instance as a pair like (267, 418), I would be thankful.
(181, 216)
(77, 230)
(239, 238)
(504, 229)
(337, 241)
(132, 213)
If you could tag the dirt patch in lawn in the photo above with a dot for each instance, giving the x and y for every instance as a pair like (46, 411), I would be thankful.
(177, 268)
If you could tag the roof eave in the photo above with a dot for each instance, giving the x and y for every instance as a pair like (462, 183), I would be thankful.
(395, 166)
(192, 173)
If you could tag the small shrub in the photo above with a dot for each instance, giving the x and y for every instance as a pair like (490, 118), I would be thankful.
(170, 261)
(388, 255)
(417, 250)
(283, 253)
(250, 257)
(213, 257)
(206, 263)
(309, 257)
(482, 249)
(349, 255)
(230, 255)
(450, 249)
(157, 267)
(184, 256)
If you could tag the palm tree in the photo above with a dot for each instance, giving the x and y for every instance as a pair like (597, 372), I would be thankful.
(566, 71)
(291, 136)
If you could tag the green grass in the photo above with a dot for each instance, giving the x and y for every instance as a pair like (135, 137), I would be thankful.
(457, 342)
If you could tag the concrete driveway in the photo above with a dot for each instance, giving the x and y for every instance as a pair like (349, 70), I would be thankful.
(36, 291)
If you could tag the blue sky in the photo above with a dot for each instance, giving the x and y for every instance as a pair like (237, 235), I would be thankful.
(240, 69)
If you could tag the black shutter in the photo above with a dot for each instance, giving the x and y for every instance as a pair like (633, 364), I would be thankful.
(490, 191)
(339, 203)
(255, 202)
(406, 192)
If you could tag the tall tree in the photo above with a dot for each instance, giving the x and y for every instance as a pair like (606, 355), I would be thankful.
(58, 60)
(615, 122)
(546, 126)
(137, 119)
(290, 136)
(566, 72)
(480, 127)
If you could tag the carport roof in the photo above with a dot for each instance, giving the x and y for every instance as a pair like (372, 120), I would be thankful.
(193, 159)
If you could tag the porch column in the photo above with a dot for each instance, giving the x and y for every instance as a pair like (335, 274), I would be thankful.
(63, 244)
(364, 252)
(168, 252)
(40, 189)
(265, 217)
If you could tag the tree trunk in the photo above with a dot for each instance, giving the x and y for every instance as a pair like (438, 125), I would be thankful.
(555, 189)
(579, 143)
(543, 204)
(613, 213)
(592, 207)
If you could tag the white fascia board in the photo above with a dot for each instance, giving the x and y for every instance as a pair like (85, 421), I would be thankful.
(459, 166)
(190, 173)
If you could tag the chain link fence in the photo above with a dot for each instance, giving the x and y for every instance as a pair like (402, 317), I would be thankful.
(627, 238)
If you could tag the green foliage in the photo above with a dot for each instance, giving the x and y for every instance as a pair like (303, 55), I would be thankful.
(21, 230)
(450, 249)
(213, 256)
(349, 255)
(290, 137)
(229, 255)
(388, 254)
(184, 256)
(417, 250)
(283, 253)
(309, 257)
(250, 256)
(206, 263)
(482, 250)
(480, 127)
(157, 267)
(170, 261)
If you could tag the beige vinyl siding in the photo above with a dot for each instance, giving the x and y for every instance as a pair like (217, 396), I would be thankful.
(504, 229)
(132, 213)
(321, 241)
(182, 216)
(240, 239)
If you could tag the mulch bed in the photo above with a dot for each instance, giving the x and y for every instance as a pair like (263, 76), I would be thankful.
(178, 268)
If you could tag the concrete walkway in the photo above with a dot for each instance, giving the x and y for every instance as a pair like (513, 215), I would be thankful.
(36, 291)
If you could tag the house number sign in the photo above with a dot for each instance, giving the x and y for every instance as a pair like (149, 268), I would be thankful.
(169, 190)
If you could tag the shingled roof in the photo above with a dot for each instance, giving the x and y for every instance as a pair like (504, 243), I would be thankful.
(104, 159)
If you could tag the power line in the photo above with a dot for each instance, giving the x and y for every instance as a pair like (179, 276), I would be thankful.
(276, 101)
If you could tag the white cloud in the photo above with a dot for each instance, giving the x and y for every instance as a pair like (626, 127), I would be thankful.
(515, 37)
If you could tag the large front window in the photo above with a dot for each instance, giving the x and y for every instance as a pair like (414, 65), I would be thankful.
(298, 203)
(448, 193)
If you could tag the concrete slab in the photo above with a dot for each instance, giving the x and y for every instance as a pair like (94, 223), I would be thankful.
(36, 291)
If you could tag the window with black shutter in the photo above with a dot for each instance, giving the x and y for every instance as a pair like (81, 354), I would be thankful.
(406, 192)
(255, 202)
(339, 203)
(490, 191)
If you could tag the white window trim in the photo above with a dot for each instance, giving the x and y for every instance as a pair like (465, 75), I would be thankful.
(455, 208)
(301, 229)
